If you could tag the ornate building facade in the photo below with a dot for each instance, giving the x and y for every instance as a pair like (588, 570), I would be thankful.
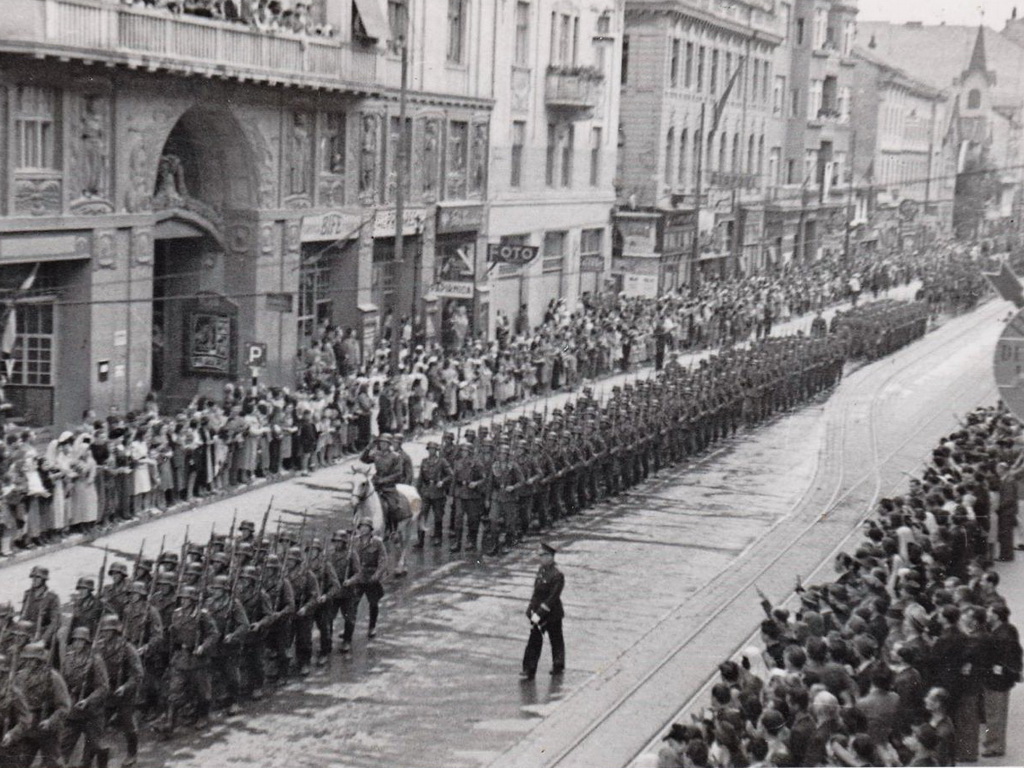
(190, 185)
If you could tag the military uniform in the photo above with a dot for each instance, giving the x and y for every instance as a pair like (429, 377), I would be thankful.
(41, 607)
(124, 669)
(191, 635)
(372, 558)
(470, 486)
(504, 482)
(46, 696)
(259, 612)
(307, 591)
(545, 613)
(232, 624)
(433, 484)
(85, 675)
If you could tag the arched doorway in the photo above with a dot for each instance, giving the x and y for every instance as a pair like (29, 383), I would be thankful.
(205, 170)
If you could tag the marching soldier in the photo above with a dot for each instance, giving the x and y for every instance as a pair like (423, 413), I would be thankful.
(372, 559)
(124, 669)
(433, 483)
(115, 594)
(87, 609)
(345, 561)
(505, 480)
(545, 614)
(330, 592)
(232, 625)
(15, 718)
(259, 612)
(307, 593)
(85, 675)
(470, 481)
(41, 607)
(46, 696)
(191, 635)
(278, 625)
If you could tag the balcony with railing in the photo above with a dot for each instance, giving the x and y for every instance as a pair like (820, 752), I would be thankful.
(573, 89)
(157, 39)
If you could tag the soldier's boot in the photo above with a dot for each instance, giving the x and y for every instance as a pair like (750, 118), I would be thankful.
(435, 539)
(472, 537)
(102, 758)
(420, 536)
(166, 727)
(490, 544)
(131, 749)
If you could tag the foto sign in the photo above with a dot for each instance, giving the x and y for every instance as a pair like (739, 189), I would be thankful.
(509, 253)
(255, 354)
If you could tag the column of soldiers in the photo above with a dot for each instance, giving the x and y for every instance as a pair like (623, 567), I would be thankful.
(878, 329)
(500, 481)
(212, 624)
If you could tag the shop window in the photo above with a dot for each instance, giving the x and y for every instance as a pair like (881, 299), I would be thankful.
(314, 294)
(33, 352)
(400, 157)
(35, 128)
(554, 251)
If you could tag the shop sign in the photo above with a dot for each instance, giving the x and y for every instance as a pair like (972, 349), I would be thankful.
(453, 289)
(460, 218)
(640, 285)
(412, 222)
(638, 237)
(279, 302)
(330, 226)
(591, 262)
(209, 343)
(636, 265)
(511, 253)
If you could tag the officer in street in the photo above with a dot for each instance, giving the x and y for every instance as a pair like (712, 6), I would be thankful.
(545, 614)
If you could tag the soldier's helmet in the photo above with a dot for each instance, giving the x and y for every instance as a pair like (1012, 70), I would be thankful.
(193, 569)
(188, 593)
(165, 579)
(294, 554)
(168, 558)
(273, 561)
(40, 572)
(339, 535)
(221, 558)
(118, 569)
(247, 525)
(145, 564)
(110, 623)
(5, 664)
(34, 652)
(6, 610)
(81, 633)
(139, 588)
(316, 543)
(365, 522)
(249, 573)
(85, 583)
(221, 582)
(245, 548)
(24, 628)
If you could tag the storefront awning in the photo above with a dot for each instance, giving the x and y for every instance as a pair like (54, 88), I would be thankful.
(375, 21)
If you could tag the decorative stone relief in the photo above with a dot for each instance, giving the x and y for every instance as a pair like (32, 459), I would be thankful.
(299, 159)
(105, 255)
(239, 236)
(430, 157)
(147, 131)
(369, 158)
(293, 236)
(478, 159)
(142, 246)
(267, 231)
(332, 192)
(37, 196)
(520, 101)
(89, 177)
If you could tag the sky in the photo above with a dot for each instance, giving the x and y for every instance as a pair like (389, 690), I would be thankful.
(996, 12)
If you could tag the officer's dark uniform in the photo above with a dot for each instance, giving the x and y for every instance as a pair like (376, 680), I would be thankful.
(545, 613)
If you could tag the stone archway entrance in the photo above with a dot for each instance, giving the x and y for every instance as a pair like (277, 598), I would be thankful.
(205, 171)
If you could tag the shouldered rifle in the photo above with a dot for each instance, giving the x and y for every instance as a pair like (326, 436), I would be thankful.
(263, 524)
(138, 558)
(103, 573)
(204, 577)
(156, 571)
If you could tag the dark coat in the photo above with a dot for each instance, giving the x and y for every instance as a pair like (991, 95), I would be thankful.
(546, 601)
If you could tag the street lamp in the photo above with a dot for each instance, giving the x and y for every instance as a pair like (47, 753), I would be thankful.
(400, 22)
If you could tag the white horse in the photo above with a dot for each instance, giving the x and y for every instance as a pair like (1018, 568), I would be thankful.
(367, 503)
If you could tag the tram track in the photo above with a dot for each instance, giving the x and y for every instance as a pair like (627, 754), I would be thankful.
(832, 460)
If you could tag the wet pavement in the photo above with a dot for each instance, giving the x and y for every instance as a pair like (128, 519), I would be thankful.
(662, 567)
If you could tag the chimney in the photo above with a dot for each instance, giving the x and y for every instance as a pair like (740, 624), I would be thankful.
(1014, 29)
(872, 44)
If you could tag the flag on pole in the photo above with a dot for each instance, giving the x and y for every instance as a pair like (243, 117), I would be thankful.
(720, 104)
(9, 330)
(1007, 284)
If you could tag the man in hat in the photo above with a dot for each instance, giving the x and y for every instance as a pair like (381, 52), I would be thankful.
(124, 669)
(228, 614)
(46, 696)
(41, 607)
(545, 614)
(433, 483)
(388, 472)
(191, 635)
(372, 559)
(86, 677)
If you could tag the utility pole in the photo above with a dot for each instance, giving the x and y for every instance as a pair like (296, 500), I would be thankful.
(849, 196)
(400, 159)
(698, 193)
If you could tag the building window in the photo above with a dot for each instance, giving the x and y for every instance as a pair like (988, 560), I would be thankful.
(701, 56)
(398, 22)
(974, 99)
(400, 157)
(760, 155)
(456, 31)
(567, 140)
(554, 251)
(734, 162)
(518, 140)
(820, 27)
(595, 156)
(774, 161)
(522, 33)
(750, 154)
(688, 71)
(552, 155)
(34, 341)
(684, 152)
(810, 166)
(673, 66)
(697, 149)
(332, 144)
(787, 18)
(591, 245)
(604, 24)
(779, 95)
(791, 171)
(794, 102)
(314, 295)
(35, 120)
(714, 72)
(800, 31)
(756, 80)
(624, 76)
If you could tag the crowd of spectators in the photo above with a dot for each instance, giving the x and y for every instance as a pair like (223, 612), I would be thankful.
(908, 655)
(113, 468)
(265, 15)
